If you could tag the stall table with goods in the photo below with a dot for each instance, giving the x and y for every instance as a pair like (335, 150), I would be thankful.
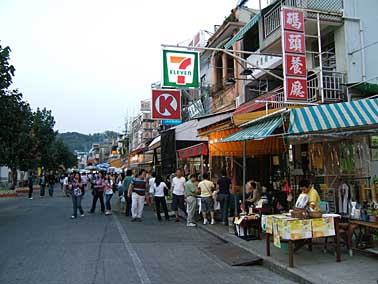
(284, 228)
(245, 225)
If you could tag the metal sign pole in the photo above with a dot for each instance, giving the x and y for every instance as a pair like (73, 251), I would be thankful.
(244, 168)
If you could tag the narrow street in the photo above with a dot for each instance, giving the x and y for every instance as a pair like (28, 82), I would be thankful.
(40, 244)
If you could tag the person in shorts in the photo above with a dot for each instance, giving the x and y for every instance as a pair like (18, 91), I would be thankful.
(178, 194)
(207, 202)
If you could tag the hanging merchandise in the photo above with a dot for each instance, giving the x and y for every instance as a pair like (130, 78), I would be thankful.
(316, 156)
(347, 158)
(343, 193)
(361, 156)
(335, 161)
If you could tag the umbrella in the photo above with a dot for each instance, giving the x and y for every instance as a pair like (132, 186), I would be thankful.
(103, 166)
(89, 168)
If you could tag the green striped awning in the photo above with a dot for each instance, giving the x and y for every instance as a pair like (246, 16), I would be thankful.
(241, 33)
(258, 131)
(341, 116)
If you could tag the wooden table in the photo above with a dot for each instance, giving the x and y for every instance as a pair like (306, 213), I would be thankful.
(291, 244)
(354, 225)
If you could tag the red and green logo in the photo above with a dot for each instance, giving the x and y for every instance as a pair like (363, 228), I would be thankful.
(180, 69)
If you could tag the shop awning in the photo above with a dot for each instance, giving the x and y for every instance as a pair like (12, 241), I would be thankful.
(116, 163)
(255, 104)
(193, 151)
(258, 131)
(364, 88)
(340, 116)
(155, 143)
(241, 33)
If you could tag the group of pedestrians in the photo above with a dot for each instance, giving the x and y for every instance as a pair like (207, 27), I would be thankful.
(185, 196)
(135, 190)
(45, 180)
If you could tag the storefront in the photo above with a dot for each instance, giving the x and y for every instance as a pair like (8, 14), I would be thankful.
(155, 146)
(141, 158)
(194, 159)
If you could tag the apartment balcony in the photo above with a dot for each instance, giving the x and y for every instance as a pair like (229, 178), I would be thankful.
(270, 27)
(333, 91)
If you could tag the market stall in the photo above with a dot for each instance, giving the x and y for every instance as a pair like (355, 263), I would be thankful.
(330, 145)
(284, 228)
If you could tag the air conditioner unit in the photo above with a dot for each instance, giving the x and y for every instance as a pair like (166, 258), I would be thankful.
(239, 101)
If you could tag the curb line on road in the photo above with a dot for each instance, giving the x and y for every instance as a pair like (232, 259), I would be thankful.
(269, 262)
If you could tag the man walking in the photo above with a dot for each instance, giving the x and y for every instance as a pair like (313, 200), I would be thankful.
(51, 183)
(126, 184)
(137, 192)
(207, 203)
(191, 199)
(30, 184)
(42, 183)
(225, 185)
(178, 191)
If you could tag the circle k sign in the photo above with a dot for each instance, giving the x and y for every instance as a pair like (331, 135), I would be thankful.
(166, 104)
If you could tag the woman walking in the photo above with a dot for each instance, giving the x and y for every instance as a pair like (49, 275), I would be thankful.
(108, 193)
(77, 194)
(159, 188)
(98, 193)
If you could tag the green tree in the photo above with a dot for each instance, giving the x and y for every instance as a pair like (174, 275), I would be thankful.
(15, 136)
(43, 135)
(6, 69)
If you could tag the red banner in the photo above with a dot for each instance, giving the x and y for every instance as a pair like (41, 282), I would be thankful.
(294, 49)
(193, 151)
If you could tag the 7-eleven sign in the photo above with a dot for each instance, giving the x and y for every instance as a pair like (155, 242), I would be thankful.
(180, 69)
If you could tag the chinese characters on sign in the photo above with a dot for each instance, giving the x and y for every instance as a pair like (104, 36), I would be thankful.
(296, 65)
(293, 20)
(293, 41)
(296, 89)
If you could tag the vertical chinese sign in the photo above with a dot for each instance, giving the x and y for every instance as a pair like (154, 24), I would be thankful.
(294, 54)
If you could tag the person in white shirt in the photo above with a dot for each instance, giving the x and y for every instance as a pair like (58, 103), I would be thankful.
(178, 191)
(65, 185)
(159, 190)
(151, 182)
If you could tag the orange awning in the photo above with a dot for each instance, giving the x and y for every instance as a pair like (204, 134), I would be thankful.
(116, 163)
(268, 146)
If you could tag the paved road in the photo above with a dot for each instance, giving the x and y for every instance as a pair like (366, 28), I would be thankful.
(40, 244)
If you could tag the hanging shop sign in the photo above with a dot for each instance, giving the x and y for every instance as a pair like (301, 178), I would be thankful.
(166, 104)
(294, 49)
(196, 109)
(171, 122)
(194, 151)
(180, 69)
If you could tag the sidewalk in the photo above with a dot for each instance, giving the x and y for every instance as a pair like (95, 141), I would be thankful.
(310, 267)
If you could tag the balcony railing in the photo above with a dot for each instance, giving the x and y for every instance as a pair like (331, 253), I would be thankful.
(333, 87)
(272, 20)
(333, 90)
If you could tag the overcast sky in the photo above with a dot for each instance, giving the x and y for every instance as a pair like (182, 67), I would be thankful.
(92, 61)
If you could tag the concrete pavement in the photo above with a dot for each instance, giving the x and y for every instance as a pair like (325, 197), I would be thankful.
(40, 244)
(314, 267)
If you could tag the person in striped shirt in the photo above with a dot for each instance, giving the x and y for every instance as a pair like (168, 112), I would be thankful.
(137, 192)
